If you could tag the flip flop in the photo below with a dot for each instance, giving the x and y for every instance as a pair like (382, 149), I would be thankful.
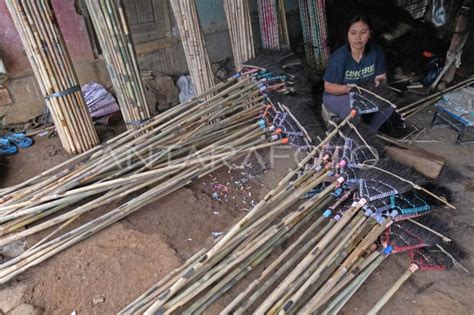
(7, 148)
(19, 139)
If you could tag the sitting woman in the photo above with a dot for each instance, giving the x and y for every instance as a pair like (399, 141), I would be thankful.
(358, 61)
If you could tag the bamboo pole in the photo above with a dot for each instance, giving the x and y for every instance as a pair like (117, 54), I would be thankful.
(272, 274)
(393, 289)
(437, 95)
(314, 303)
(322, 244)
(230, 279)
(294, 299)
(338, 303)
(263, 279)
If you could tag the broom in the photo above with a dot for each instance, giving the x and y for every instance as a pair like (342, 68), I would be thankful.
(430, 258)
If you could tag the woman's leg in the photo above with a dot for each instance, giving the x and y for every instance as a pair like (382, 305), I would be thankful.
(337, 104)
(380, 117)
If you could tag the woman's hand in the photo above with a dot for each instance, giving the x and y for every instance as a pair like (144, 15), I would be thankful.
(337, 89)
(380, 79)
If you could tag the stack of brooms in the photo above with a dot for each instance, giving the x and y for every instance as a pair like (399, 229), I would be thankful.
(314, 24)
(113, 32)
(273, 24)
(335, 235)
(164, 154)
(44, 45)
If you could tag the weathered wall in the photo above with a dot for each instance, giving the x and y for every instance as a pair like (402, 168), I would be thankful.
(167, 55)
(71, 24)
(22, 85)
(27, 98)
(163, 56)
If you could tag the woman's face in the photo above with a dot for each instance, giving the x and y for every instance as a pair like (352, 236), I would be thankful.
(358, 35)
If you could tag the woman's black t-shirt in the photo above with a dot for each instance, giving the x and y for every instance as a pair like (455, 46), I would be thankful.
(343, 69)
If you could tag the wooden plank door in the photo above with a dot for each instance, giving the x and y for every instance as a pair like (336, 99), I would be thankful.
(148, 19)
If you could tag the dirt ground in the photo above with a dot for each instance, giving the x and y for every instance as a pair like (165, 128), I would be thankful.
(104, 273)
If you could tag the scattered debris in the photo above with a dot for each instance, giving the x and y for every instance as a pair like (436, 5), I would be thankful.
(13, 249)
(98, 299)
(217, 234)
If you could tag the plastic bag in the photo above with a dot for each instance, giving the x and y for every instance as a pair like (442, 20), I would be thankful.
(439, 13)
(462, 99)
(186, 88)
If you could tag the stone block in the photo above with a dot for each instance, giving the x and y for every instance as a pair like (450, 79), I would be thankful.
(10, 297)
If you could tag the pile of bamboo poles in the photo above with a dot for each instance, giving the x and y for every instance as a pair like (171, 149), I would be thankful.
(411, 109)
(336, 237)
(268, 18)
(112, 30)
(240, 30)
(53, 69)
(283, 25)
(315, 34)
(178, 146)
(194, 44)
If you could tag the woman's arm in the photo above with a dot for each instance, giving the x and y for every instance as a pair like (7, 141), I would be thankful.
(380, 79)
(380, 67)
(336, 89)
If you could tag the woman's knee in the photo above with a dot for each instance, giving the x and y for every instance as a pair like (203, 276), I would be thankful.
(337, 104)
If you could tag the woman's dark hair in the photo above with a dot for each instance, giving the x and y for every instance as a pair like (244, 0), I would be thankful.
(359, 18)
(364, 19)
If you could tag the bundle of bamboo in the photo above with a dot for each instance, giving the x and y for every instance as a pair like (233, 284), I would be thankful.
(52, 66)
(240, 30)
(177, 147)
(113, 32)
(194, 44)
(313, 21)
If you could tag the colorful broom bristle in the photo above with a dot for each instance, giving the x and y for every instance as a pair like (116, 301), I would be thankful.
(434, 258)
(409, 205)
(406, 235)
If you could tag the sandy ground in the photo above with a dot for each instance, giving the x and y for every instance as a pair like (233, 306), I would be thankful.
(107, 271)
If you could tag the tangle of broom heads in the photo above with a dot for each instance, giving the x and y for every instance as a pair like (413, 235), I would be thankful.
(282, 215)
(399, 238)
(296, 93)
(332, 232)
(434, 258)
(135, 168)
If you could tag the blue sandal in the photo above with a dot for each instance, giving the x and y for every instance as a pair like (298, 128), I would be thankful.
(7, 148)
(19, 139)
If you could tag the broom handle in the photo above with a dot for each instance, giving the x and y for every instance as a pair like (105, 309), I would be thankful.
(340, 300)
(393, 289)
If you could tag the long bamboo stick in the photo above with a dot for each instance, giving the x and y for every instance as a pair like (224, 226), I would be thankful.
(393, 289)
